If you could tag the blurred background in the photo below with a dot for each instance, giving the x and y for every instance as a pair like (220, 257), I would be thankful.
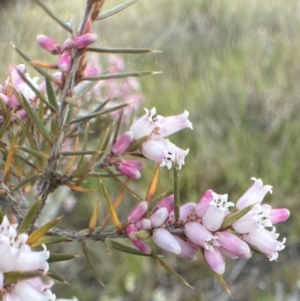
(235, 66)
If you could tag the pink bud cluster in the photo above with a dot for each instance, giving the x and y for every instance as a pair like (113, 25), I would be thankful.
(156, 148)
(15, 82)
(199, 227)
(65, 50)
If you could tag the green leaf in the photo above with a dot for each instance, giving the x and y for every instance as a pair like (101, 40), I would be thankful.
(121, 75)
(30, 216)
(3, 108)
(108, 245)
(29, 136)
(5, 125)
(223, 283)
(33, 152)
(61, 257)
(123, 50)
(50, 240)
(51, 95)
(234, 216)
(94, 219)
(34, 117)
(80, 153)
(126, 249)
(115, 10)
(97, 114)
(40, 232)
(16, 276)
(56, 276)
(28, 179)
(112, 211)
(88, 259)
(83, 89)
(176, 192)
(137, 144)
(169, 270)
(54, 17)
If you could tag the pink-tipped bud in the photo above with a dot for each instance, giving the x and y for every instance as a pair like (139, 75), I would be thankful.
(122, 143)
(129, 168)
(144, 224)
(184, 211)
(187, 252)
(84, 40)
(279, 215)
(203, 204)
(234, 245)
(137, 213)
(142, 246)
(215, 261)
(64, 62)
(166, 241)
(167, 203)
(159, 217)
(198, 234)
(131, 230)
(48, 44)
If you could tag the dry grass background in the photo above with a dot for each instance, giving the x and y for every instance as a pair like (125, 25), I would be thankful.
(235, 65)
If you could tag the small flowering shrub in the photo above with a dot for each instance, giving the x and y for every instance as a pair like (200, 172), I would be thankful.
(47, 141)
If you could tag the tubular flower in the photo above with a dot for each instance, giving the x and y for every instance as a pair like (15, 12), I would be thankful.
(17, 256)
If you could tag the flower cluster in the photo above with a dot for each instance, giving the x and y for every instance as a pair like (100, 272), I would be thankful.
(17, 256)
(156, 147)
(64, 50)
(199, 227)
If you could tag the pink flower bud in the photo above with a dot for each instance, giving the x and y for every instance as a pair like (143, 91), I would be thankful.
(279, 215)
(144, 224)
(137, 213)
(122, 143)
(48, 44)
(142, 246)
(64, 62)
(167, 203)
(199, 235)
(234, 245)
(85, 40)
(129, 168)
(203, 204)
(5, 98)
(131, 230)
(184, 211)
(215, 261)
(166, 241)
(187, 252)
(159, 217)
